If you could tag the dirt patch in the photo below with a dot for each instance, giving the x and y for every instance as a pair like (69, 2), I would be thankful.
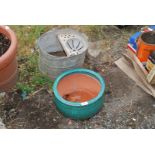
(4, 44)
(36, 112)
(126, 106)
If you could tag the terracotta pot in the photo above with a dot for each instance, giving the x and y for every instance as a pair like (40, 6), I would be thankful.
(8, 62)
(146, 45)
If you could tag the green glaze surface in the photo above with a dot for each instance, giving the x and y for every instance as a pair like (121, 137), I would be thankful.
(76, 110)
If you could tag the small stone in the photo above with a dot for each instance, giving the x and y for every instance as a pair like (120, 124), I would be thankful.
(145, 117)
(12, 110)
(2, 126)
(69, 122)
(134, 119)
(2, 95)
(94, 53)
(54, 120)
(102, 70)
(94, 49)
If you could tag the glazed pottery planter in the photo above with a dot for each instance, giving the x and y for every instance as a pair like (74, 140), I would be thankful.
(8, 62)
(79, 93)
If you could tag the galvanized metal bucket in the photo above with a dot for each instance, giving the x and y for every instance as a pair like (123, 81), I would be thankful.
(49, 44)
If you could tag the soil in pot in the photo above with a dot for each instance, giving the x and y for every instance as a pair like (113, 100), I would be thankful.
(79, 87)
(149, 37)
(4, 44)
(58, 53)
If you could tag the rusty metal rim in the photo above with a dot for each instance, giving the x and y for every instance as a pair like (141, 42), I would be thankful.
(141, 39)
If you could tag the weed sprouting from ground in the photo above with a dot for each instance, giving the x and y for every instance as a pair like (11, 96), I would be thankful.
(30, 78)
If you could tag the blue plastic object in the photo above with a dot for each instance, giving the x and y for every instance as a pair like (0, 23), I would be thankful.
(133, 40)
(152, 27)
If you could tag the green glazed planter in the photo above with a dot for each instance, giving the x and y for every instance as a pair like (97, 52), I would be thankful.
(77, 110)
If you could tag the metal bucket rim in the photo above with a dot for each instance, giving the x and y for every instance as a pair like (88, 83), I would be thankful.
(56, 31)
(144, 42)
(60, 58)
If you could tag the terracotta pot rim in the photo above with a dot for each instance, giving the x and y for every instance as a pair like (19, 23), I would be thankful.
(11, 52)
(144, 41)
(81, 71)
